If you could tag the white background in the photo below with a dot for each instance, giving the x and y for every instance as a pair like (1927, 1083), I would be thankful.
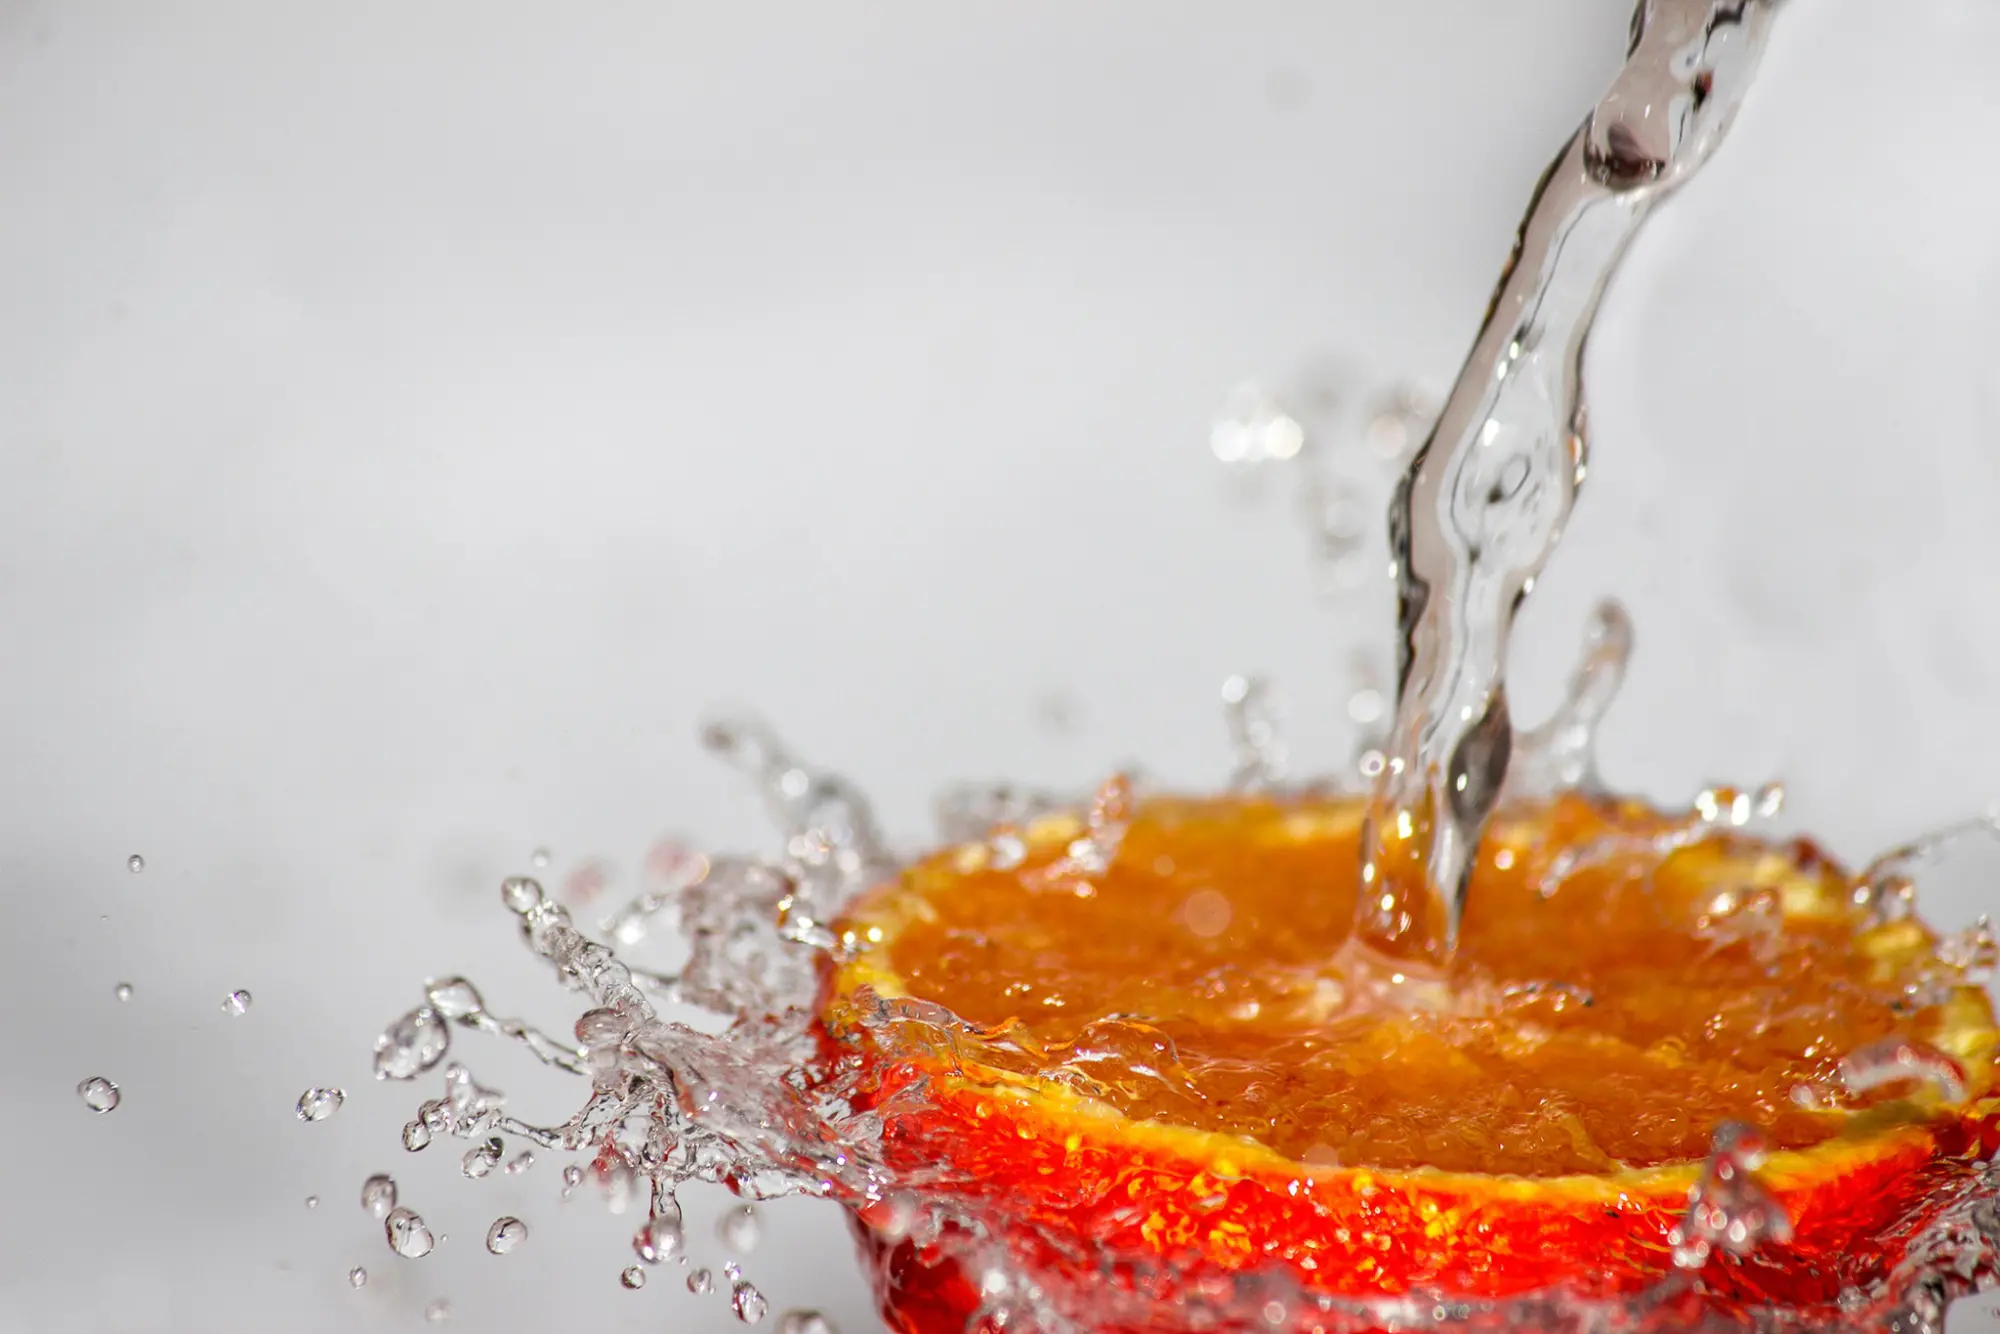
(412, 416)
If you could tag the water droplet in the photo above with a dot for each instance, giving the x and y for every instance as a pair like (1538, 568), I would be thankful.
(455, 998)
(521, 1162)
(416, 1135)
(520, 893)
(701, 1283)
(312, 1201)
(1729, 1207)
(505, 1235)
(316, 1104)
(357, 1277)
(480, 1158)
(660, 1238)
(413, 1044)
(805, 1322)
(236, 1003)
(378, 1195)
(572, 1177)
(731, 1270)
(438, 1311)
(408, 1235)
(1253, 428)
(98, 1093)
(135, 863)
(633, 1278)
(747, 1302)
(740, 1229)
(539, 859)
(123, 991)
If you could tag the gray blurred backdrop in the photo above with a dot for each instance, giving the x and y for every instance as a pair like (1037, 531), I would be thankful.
(413, 416)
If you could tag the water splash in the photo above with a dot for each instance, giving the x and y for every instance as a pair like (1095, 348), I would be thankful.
(1486, 497)
(1730, 1208)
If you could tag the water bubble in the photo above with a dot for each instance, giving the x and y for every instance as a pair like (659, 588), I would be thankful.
(236, 1003)
(572, 1177)
(539, 859)
(747, 1302)
(521, 1162)
(378, 1195)
(408, 1235)
(805, 1322)
(505, 1235)
(316, 1104)
(98, 1093)
(135, 863)
(357, 1277)
(660, 1238)
(520, 893)
(454, 998)
(634, 1278)
(480, 1158)
(438, 1311)
(740, 1229)
(416, 1135)
(413, 1044)
(701, 1283)
(123, 991)
(312, 1201)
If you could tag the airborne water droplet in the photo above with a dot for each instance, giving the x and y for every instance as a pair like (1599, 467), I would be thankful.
(378, 1195)
(316, 1104)
(739, 1229)
(135, 863)
(701, 1283)
(539, 859)
(455, 998)
(572, 1177)
(505, 1235)
(416, 1135)
(413, 1044)
(521, 1162)
(236, 1003)
(98, 1093)
(312, 1201)
(520, 893)
(480, 1158)
(805, 1322)
(659, 1239)
(408, 1235)
(438, 1311)
(123, 991)
(357, 1277)
(634, 1278)
(747, 1302)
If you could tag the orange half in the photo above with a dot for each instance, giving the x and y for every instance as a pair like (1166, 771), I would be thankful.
(1153, 1045)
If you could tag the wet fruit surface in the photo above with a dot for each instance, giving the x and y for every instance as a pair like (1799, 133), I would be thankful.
(1152, 1036)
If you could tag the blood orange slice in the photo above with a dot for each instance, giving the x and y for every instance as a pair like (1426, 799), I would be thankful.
(1150, 1039)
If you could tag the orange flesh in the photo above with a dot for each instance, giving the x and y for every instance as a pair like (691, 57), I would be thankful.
(1602, 1019)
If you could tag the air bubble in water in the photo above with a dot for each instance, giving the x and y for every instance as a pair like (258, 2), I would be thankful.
(740, 1229)
(747, 1302)
(378, 1195)
(634, 1278)
(123, 991)
(98, 1093)
(660, 1238)
(316, 1104)
(521, 1162)
(438, 1311)
(135, 863)
(701, 1283)
(520, 893)
(805, 1322)
(408, 1235)
(480, 1158)
(505, 1235)
(357, 1277)
(413, 1044)
(416, 1135)
(236, 1003)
